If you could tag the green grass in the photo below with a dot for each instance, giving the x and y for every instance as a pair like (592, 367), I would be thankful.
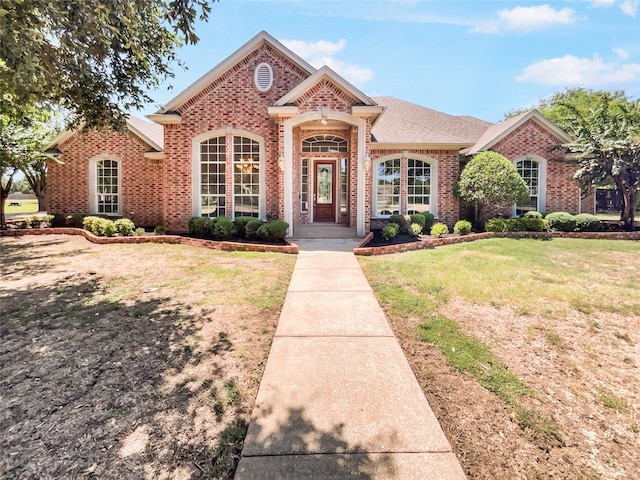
(612, 401)
(26, 206)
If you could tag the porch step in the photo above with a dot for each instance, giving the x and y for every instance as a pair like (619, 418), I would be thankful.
(323, 230)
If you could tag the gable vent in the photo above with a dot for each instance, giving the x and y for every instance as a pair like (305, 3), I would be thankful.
(263, 77)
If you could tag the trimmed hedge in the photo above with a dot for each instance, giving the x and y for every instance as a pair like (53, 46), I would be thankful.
(462, 227)
(561, 221)
(585, 222)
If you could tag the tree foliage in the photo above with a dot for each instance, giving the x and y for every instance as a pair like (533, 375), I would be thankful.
(93, 58)
(489, 180)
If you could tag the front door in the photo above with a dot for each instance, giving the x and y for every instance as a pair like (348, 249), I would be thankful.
(324, 209)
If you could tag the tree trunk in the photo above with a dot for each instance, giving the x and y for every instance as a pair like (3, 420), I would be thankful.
(36, 175)
(627, 215)
(4, 193)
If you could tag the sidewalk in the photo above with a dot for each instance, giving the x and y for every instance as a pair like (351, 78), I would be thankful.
(338, 398)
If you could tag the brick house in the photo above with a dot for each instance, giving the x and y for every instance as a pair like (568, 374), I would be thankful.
(265, 134)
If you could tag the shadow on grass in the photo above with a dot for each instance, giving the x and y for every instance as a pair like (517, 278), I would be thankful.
(83, 385)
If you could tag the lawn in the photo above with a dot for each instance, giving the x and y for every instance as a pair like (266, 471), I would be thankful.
(527, 351)
(29, 205)
(131, 361)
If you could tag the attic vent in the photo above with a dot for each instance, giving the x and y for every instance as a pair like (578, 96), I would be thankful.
(263, 77)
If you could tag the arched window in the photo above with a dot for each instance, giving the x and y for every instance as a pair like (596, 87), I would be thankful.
(105, 185)
(387, 188)
(418, 186)
(246, 177)
(533, 172)
(213, 177)
(324, 144)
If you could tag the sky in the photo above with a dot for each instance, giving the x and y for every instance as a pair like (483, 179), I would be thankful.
(480, 58)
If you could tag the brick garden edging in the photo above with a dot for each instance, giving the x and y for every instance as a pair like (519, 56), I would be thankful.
(362, 249)
(174, 239)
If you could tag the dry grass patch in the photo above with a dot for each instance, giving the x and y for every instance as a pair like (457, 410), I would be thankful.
(131, 361)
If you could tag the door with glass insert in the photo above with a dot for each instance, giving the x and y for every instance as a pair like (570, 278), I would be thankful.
(324, 206)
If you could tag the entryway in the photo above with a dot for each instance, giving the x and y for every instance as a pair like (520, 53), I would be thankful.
(324, 194)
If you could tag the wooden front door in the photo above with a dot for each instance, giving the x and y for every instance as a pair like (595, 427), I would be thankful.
(324, 206)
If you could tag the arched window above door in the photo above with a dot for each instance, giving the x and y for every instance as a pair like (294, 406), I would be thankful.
(324, 144)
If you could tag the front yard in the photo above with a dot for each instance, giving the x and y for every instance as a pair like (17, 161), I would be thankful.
(527, 350)
(130, 361)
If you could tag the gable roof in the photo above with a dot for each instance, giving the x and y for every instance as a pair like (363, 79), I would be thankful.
(407, 123)
(499, 131)
(150, 133)
(317, 77)
(220, 69)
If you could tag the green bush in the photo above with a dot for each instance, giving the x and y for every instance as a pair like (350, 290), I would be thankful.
(76, 220)
(240, 223)
(22, 224)
(87, 222)
(252, 227)
(532, 224)
(415, 229)
(561, 221)
(532, 215)
(403, 222)
(429, 220)
(390, 231)
(35, 221)
(585, 222)
(58, 220)
(102, 227)
(462, 227)
(418, 218)
(273, 231)
(524, 224)
(159, 230)
(439, 229)
(200, 226)
(140, 231)
(124, 227)
(222, 228)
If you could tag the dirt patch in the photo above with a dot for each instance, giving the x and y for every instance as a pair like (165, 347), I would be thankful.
(130, 361)
(583, 371)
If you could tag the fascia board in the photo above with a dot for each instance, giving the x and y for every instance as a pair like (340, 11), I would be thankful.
(284, 111)
(229, 62)
(165, 118)
(418, 146)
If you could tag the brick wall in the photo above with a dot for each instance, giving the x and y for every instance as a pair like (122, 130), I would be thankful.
(232, 100)
(563, 193)
(68, 182)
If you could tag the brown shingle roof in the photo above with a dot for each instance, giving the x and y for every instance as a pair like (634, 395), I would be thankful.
(405, 122)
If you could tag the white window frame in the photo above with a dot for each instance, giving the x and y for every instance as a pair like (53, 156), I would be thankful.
(404, 157)
(93, 183)
(542, 181)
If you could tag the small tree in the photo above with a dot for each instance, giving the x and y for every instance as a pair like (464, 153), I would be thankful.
(489, 180)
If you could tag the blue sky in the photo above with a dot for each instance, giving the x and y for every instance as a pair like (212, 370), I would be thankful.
(479, 58)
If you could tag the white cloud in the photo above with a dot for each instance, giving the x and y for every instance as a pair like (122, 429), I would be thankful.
(628, 7)
(569, 71)
(621, 53)
(527, 19)
(322, 52)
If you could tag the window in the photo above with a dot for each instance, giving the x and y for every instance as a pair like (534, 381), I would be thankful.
(418, 186)
(304, 185)
(344, 184)
(213, 177)
(246, 177)
(107, 187)
(387, 187)
(324, 144)
(530, 172)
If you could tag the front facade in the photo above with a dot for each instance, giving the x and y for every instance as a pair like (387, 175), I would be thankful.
(265, 134)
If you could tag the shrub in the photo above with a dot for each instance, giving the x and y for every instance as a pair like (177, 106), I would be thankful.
(222, 228)
(532, 215)
(429, 220)
(22, 224)
(124, 227)
(240, 223)
(390, 231)
(462, 227)
(415, 229)
(58, 220)
(585, 222)
(418, 218)
(403, 222)
(439, 229)
(159, 230)
(252, 226)
(87, 222)
(76, 220)
(532, 224)
(273, 231)
(199, 226)
(562, 221)
(102, 227)
(140, 231)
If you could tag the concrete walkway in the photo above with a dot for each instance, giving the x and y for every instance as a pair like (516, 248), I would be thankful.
(338, 398)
